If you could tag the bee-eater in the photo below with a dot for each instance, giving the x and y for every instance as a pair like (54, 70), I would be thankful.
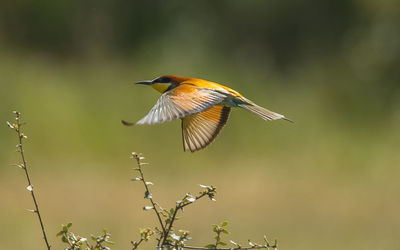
(203, 107)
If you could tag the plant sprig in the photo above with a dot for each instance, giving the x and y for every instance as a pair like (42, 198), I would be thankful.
(147, 193)
(76, 242)
(20, 149)
(168, 237)
(145, 235)
(221, 229)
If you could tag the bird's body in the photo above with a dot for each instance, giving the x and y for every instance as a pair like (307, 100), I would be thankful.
(203, 107)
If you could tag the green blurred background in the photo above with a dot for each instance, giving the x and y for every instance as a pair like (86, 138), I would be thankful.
(328, 181)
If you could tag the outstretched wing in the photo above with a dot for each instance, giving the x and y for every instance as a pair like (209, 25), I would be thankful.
(182, 101)
(199, 130)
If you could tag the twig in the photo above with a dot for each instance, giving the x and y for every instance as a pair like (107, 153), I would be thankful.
(145, 235)
(21, 136)
(136, 244)
(218, 239)
(232, 248)
(267, 246)
(138, 159)
(181, 205)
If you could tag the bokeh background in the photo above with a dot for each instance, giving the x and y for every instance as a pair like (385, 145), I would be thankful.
(328, 181)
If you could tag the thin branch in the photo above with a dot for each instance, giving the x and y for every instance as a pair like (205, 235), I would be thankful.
(138, 159)
(233, 248)
(145, 235)
(24, 166)
(180, 206)
(218, 239)
(136, 244)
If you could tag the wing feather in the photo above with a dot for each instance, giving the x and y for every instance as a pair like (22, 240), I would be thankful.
(200, 129)
(182, 101)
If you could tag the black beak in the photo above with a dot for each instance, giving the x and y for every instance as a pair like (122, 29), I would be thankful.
(145, 82)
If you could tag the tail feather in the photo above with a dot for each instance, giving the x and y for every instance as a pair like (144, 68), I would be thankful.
(262, 112)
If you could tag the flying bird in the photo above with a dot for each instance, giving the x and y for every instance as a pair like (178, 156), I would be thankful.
(203, 107)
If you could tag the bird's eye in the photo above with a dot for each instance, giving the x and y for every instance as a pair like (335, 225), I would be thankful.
(162, 80)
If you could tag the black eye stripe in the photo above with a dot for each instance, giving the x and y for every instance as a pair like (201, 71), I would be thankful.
(162, 80)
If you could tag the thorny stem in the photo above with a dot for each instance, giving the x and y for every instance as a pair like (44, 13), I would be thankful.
(25, 167)
(137, 157)
(180, 206)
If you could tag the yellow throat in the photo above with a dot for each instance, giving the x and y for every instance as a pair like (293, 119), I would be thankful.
(160, 87)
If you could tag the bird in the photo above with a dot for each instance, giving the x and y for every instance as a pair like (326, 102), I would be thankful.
(203, 107)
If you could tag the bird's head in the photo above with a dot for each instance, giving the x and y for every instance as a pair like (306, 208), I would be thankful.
(165, 83)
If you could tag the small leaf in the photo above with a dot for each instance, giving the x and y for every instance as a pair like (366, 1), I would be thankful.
(191, 199)
(18, 165)
(225, 231)
(174, 236)
(148, 208)
(136, 179)
(64, 239)
(65, 228)
(149, 183)
(60, 233)
(210, 246)
(69, 225)
(10, 125)
(83, 240)
(234, 243)
(222, 243)
(224, 224)
(204, 186)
